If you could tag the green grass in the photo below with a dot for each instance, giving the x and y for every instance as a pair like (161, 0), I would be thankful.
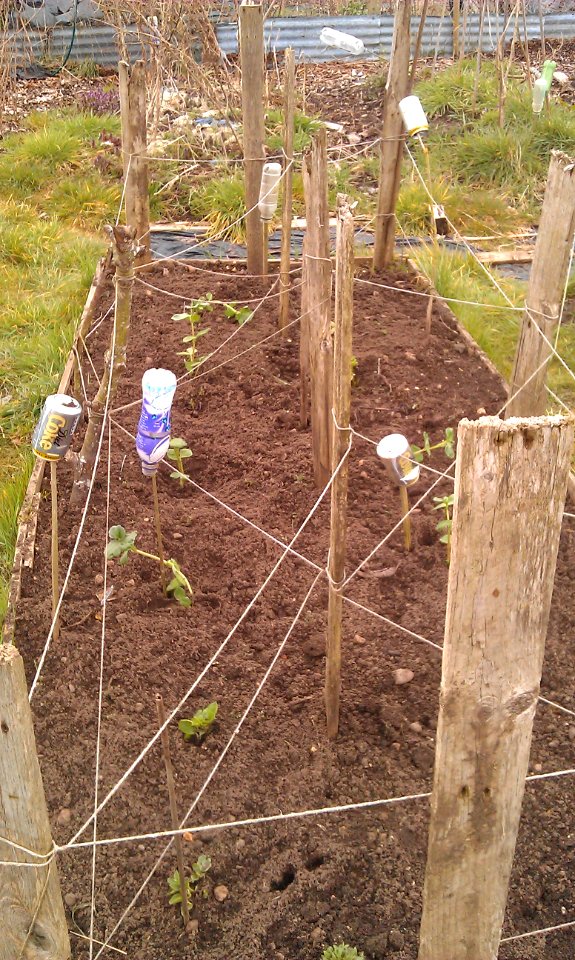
(49, 188)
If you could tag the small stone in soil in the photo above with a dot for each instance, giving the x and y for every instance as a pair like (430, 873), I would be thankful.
(192, 927)
(416, 727)
(396, 940)
(70, 899)
(317, 934)
(138, 707)
(571, 733)
(358, 638)
(64, 816)
(402, 675)
(240, 844)
(221, 893)
(98, 579)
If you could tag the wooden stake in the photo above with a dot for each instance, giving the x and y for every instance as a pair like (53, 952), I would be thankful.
(251, 38)
(404, 499)
(428, 317)
(542, 31)
(318, 275)
(123, 253)
(479, 52)
(132, 87)
(344, 276)
(456, 12)
(416, 52)
(32, 918)
(287, 196)
(526, 45)
(55, 549)
(304, 385)
(158, 527)
(266, 241)
(171, 783)
(396, 89)
(463, 31)
(510, 489)
(547, 282)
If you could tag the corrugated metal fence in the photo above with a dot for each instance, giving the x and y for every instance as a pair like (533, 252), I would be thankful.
(98, 42)
(302, 34)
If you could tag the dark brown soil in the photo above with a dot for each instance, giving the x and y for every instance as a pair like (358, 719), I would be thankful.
(300, 884)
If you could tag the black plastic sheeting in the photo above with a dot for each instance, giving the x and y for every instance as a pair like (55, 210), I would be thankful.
(190, 245)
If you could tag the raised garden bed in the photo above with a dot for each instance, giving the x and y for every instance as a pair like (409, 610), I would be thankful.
(295, 885)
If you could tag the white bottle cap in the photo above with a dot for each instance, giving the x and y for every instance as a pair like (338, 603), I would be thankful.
(158, 388)
(269, 189)
(413, 115)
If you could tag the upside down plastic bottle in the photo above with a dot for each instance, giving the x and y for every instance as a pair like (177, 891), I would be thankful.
(153, 437)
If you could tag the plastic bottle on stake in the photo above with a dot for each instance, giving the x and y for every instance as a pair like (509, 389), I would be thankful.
(413, 116)
(153, 437)
(539, 94)
(344, 41)
(269, 189)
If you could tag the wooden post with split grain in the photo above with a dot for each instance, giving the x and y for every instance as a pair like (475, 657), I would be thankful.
(456, 17)
(287, 196)
(123, 255)
(251, 40)
(549, 273)
(318, 304)
(510, 487)
(32, 918)
(396, 89)
(132, 86)
(341, 436)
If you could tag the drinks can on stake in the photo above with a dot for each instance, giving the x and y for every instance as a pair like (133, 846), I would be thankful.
(53, 434)
(395, 452)
(153, 437)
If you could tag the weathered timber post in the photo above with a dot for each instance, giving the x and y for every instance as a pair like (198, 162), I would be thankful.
(342, 374)
(132, 85)
(251, 40)
(123, 254)
(417, 48)
(547, 281)
(287, 197)
(32, 919)
(396, 89)
(304, 384)
(456, 14)
(510, 487)
(318, 275)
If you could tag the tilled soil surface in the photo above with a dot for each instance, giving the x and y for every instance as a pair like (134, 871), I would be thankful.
(294, 885)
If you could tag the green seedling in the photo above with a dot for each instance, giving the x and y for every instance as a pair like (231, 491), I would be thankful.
(445, 524)
(122, 543)
(200, 724)
(193, 315)
(199, 870)
(447, 445)
(341, 951)
(179, 451)
(239, 316)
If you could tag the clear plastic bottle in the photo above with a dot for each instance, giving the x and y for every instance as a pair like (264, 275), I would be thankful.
(269, 189)
(153, 437)
(344, 41)
(539, 94)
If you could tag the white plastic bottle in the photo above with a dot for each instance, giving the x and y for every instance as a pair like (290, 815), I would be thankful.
(345, 41)
(269, 189)
(153, 437)
(539, 94)
(413, 115)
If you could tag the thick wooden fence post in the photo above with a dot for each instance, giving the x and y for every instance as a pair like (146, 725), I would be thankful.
(318, 299)
(342, 373)
(251, 40)
(510, 489)
(132, 84)
(287, 201)
(396, 89)
(32, 919)
(549, 272)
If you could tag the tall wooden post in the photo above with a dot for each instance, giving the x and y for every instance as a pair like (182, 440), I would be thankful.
(289, 115)
(342, 374)
(251, 39)
(123, 252)
(456, 18)
(32, 918)
(396, 89)
(132, 85)
(549, 272)
(510, 489)
(318, 277)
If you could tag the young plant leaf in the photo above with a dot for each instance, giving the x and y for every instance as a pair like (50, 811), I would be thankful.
(200, 724)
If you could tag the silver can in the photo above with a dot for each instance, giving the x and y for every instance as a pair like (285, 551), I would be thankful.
(395, 452)
(58, 420)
